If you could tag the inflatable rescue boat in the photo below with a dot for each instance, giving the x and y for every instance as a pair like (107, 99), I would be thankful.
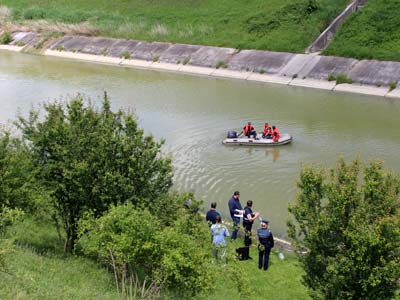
(234, 139)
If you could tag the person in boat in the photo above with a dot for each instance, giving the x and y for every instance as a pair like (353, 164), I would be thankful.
(267, 134)
(276, 137)
(249, 130)
(275, 129)
(275, 134)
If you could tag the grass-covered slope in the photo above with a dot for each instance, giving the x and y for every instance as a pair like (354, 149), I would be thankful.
(371, 33)
(39, 270)
(280, 25)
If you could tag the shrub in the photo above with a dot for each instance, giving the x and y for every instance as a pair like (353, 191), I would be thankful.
(130, 240)
(392, 85)
(331, 77)
(294, 76)
(221, 64)
(125, 55)
(156, 58)
(5, 38)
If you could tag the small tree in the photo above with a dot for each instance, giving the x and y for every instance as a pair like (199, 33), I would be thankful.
(93, 158)
(348, 231)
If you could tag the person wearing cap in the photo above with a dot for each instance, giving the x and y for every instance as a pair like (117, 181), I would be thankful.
(266, 243)
(219, 232)
(248, 219)
(234, 207)
(212, 214)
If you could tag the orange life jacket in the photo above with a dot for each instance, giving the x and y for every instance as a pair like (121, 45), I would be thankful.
(267, 129)
(276, 130)
(248, 128)
(276, 136)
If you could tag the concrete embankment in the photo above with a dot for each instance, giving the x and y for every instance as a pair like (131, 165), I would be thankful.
(307, 70)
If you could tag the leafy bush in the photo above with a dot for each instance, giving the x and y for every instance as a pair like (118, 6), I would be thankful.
(348, 231)
(132, 241)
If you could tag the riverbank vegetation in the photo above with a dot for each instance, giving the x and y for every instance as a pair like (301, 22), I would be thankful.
(371, 33)
(289, 25)
(87, 213)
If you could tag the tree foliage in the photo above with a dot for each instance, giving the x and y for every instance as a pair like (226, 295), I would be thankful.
(348, 230)
(134, 241)
(92, 158)
(18, 187)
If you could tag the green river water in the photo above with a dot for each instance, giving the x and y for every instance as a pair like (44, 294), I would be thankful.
(194, 113)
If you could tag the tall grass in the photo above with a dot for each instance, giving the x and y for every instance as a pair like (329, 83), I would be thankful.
(371, 33)
(288, 25)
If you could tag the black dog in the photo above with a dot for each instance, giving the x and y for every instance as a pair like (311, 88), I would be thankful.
(242, 253)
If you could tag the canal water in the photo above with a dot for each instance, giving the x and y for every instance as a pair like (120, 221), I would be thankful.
(194, 113)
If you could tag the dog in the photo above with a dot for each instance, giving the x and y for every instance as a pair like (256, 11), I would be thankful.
(242, 253)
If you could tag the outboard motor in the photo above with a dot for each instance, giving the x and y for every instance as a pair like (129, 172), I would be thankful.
(232, 134)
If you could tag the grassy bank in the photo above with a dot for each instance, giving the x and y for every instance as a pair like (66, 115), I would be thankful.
(371, 33)
(288, 25)
(40, 271)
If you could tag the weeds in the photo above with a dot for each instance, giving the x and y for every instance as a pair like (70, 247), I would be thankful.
(294, 76)
(126, 55)
(155, 58)
(340, 78)
(60, 48)
(221, 64)
(392, 85)
(186, 60)
(5, 38)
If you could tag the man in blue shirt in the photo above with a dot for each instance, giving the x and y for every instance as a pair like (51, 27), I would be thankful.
(219, 232)
(235, 206)
(266, 244)
(212, 214)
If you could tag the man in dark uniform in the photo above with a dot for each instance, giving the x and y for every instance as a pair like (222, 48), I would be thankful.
(212, 214)
(266, 244)
(234, 208)
(248, 220)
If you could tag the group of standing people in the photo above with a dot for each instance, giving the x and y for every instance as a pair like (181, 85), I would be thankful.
(220, 232)
(268, 133)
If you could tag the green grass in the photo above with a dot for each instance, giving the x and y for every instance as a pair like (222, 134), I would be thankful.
(282, 281)
(41, 271)
(38, 269)
(288, 25)
(371, 33)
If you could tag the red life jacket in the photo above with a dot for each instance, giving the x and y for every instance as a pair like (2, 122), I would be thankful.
(276, 136)
(267, 129)
(248, 128)
(276, 130)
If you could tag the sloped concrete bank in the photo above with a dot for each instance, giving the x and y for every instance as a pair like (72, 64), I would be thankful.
(307, 70)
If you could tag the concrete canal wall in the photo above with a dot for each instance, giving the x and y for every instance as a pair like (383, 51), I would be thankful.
(307, 70)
